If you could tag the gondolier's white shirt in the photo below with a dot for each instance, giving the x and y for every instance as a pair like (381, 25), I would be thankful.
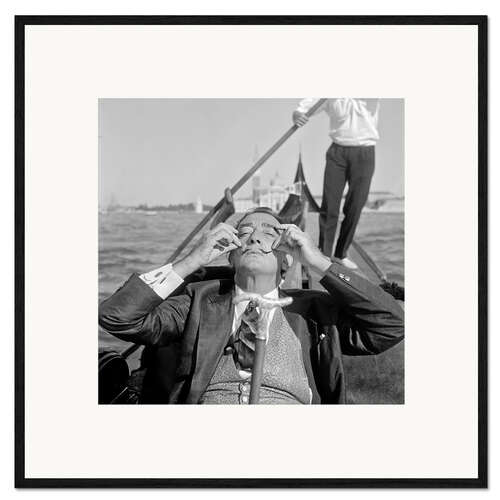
(353, 122)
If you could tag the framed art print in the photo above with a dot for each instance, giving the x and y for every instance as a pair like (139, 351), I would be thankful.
(251, 251)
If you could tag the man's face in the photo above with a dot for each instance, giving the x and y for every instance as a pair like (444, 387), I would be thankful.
(257, 233)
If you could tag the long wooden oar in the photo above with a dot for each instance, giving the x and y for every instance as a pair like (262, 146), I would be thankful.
(243, 180)
(398, 292)
(369, 261)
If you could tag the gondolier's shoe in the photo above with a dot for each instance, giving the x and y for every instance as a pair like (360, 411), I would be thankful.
(348, 263)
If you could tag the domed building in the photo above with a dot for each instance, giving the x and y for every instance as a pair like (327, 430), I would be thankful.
(273, 195)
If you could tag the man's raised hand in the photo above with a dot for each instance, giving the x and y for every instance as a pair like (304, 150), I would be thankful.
(301, 247)
(218, 241)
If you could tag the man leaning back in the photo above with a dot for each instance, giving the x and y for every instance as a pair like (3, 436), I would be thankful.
(208, 321)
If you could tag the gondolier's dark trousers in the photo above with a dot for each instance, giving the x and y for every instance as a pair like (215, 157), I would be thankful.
(354, 165)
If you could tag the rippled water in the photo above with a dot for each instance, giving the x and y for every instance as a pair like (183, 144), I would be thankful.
(382, 236)
(131, 242)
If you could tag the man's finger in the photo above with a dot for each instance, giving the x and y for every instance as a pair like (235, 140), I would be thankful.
(290, 234)
(222, 227)
(224, 242)
(288, 226)
(223, 233)
(230, 228)
(224, 248)
(229, 248)
(224, 245)
(286, 248)
(225, 226)
(280, 243)
(282, 229)
(286, 238)
(295, 234)
(218, 230)
(232, 233)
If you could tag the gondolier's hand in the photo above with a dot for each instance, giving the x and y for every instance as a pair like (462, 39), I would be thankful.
(301, 247)
(218, 241)
(299, 118)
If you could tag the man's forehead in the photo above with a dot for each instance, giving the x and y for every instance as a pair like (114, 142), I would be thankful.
(258, 218)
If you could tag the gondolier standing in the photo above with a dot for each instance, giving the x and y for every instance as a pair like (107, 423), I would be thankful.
(350, 159)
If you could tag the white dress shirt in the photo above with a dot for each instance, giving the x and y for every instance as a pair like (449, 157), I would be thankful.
(353, 122)
(239, 308)
(163, 280)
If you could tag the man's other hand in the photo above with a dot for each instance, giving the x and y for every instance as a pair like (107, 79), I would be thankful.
(299, 118)
(218, 241)
(301, 247)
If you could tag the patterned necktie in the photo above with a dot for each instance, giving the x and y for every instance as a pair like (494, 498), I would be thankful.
(244, 343)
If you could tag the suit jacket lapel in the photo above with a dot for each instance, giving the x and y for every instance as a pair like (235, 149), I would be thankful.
(299, 327)
(216, 319)
(292, 318)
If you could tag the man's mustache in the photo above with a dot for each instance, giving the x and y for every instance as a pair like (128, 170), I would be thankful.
(257, 249)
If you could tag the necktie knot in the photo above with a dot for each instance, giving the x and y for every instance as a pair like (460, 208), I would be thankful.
(245, 337)
(250, 315)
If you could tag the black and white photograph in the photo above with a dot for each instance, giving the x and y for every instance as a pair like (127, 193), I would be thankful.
(287, 290)
(271, 224)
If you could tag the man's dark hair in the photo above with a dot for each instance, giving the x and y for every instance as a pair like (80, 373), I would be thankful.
(260, 210)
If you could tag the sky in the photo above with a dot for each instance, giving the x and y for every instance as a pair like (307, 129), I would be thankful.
(168, 151)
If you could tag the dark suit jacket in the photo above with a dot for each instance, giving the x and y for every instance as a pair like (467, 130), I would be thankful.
(355, 317)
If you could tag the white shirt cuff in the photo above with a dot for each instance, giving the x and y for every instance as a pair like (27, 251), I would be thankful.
(163, 281)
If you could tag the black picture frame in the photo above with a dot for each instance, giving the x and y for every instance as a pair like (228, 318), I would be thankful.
(21, 481)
